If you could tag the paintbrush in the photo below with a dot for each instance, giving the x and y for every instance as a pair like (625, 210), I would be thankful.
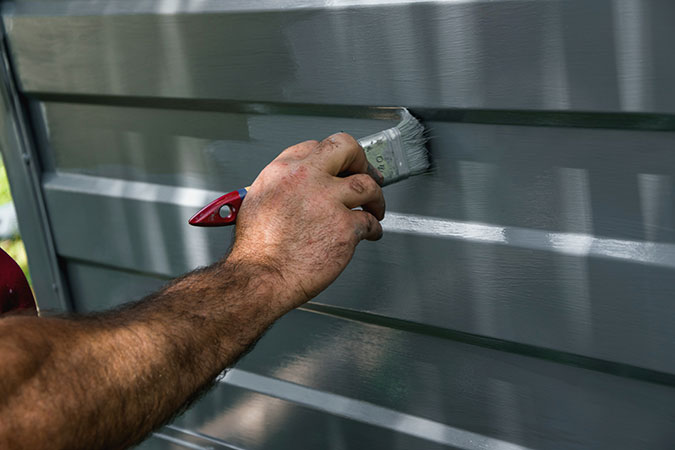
(398, 153)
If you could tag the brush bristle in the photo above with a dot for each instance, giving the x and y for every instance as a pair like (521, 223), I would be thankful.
(414, 142)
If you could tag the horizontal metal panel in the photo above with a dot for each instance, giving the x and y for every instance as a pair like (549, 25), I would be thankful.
(574, 55)
(472, 388)
(600, 307)
(96, 288)
(495, 394)
(603, 298)
(100, 288)
(451, 388)
(192, 148)
(613, 183)
(137, 226)
(231, 417)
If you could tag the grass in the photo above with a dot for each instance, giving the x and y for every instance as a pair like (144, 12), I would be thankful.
(14, 246)
(5, 195)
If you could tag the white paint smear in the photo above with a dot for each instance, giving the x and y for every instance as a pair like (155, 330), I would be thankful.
(575, 244)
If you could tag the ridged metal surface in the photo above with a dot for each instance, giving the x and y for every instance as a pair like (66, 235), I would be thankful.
(522, 296)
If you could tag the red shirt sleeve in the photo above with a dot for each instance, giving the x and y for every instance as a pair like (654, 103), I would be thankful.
(15, 293)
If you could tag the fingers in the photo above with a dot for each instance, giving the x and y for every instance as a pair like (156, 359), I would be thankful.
(340, 153)
(337, 154)
(361, 190)
(367, 226)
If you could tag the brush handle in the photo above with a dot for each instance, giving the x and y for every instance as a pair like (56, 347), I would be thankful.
(220, 212)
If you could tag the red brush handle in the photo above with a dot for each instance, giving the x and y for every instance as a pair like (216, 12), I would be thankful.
(220, 212)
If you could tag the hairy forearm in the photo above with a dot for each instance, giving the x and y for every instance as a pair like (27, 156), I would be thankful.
(106, 380)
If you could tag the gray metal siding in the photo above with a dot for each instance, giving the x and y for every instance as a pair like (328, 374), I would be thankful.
(523, 292)
(23, 170)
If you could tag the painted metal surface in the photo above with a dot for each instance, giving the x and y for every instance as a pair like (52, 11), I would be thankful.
(524, 301)
(587, 278)
(605, 55)
(499, 396)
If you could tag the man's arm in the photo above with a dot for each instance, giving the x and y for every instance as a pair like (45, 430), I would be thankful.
(106, 380)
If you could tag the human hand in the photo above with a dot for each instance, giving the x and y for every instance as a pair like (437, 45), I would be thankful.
(297, 217)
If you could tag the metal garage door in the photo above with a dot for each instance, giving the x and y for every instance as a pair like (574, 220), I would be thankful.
(524, 292)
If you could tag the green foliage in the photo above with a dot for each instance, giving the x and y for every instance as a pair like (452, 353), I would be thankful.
(5, 195)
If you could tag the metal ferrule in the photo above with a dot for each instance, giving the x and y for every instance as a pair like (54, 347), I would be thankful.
(384, 150)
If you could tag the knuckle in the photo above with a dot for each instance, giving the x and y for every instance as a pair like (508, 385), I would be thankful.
(289, 150)
(277, 166)
(311, 143)
(370, 222)
(341, 139)
(366, 220)
(370, 226)
(366, 183)
(357, 184)
(297, 151)
(326, 145)
(374, 228)
(280, 171)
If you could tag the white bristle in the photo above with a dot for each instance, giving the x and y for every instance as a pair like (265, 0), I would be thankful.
(414, 142)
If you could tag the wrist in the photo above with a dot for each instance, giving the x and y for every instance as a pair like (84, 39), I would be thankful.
(231, 302)
(270, 277)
